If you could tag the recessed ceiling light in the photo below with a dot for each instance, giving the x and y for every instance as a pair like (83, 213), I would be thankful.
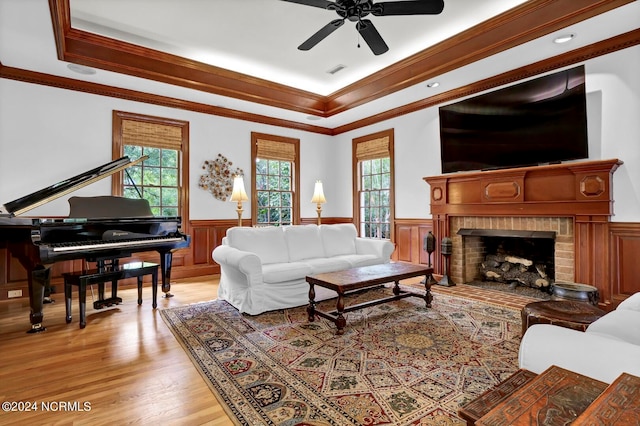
(313, 117)
(564, 38)
(81, 69)
(433, 84)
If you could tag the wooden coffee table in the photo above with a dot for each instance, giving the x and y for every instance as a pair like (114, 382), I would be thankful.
(364, 277)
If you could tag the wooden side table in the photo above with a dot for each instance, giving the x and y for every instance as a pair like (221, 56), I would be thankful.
(556, 396)
(564, 313)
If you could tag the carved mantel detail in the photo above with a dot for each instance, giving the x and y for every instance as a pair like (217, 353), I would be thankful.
(570, 189)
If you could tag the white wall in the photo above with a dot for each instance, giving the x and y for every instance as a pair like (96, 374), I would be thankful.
(49, 134)
(613, 109)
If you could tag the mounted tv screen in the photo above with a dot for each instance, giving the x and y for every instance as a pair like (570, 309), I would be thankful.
(539, 121)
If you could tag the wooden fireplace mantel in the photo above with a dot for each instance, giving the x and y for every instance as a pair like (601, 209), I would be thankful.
(581, 191)
(570, 189)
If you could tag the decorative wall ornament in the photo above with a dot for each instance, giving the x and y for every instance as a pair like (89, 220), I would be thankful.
(218, 179)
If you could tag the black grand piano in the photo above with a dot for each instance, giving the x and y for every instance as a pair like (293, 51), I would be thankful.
(98, 229)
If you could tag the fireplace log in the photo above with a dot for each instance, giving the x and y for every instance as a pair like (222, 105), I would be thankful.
(542, 270)
(514, 270)
(493, 274)
(532, 279)
(498, 258)
(519, 260)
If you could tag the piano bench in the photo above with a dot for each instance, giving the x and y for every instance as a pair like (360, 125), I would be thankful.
(94, 276)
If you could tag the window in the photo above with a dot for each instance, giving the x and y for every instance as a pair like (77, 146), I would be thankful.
(160, 179)
(373, 185)
(276, 179)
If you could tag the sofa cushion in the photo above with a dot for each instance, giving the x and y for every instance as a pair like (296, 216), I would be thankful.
(303, 242)
(324, 264)
(339, 239)
(266, 242)
(282, 272)
(358, 260)
(631, 303)
(622, 324)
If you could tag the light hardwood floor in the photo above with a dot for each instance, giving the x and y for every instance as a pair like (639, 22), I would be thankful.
(126, 363)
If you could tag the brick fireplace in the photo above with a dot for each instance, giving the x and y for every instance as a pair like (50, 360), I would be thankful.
(572, 200)
(466, 260)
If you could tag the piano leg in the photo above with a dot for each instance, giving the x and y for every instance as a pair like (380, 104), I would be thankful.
(38, 280)
(165, 265)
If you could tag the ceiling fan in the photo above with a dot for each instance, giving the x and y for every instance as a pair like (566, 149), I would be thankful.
(357, 10)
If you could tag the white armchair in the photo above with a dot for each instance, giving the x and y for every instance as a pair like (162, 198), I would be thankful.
(609, 346)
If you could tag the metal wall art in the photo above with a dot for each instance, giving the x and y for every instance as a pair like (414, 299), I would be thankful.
(218, 179)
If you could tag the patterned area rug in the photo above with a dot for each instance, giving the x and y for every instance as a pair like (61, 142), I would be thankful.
(398, 363)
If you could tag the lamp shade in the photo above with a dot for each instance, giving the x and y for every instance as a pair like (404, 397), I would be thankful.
(318, 194)
(238, 193)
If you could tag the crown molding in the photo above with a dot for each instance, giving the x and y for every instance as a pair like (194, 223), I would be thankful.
(604, 47)
(573, 57)
(519, 25)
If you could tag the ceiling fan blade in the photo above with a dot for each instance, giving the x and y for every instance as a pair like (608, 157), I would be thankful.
(371, 36)
(414, 7)
(321, 34)
(324, 4)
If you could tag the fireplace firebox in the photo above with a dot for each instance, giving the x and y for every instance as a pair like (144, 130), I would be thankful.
(510, 256)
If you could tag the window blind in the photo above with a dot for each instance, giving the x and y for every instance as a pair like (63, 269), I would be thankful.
(273, 150)
(143, 133)
(374, 148)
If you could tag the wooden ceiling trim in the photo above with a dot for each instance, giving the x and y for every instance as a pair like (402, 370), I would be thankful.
(527, 22)
(137, 96)
(519, 25)
(576, 56)
(105, 53)
(620, 42)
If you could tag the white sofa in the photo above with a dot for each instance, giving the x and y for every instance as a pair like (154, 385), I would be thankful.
(263, 269)
(609, 346)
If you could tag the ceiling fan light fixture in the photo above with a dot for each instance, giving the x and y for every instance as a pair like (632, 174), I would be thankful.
(357, 10)
(564, 38)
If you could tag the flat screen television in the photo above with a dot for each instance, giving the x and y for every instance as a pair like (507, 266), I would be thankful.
(540, 121)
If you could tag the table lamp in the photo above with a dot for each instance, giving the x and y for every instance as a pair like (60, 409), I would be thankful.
(318, 198)
(239, 195)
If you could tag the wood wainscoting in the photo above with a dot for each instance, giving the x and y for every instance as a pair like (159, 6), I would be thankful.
(624, 268)
(617, 260)
(194, 261)
(409, 235)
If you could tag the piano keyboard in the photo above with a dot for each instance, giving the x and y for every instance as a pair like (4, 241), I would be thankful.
(105, 244)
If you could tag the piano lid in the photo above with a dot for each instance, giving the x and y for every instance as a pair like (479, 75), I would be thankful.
(43, 196)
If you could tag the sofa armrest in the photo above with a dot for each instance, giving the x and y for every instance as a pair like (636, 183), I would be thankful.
(244, 262)
(591, 354)
(380, 248)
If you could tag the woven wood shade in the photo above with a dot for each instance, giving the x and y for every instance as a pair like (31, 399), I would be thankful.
(273, 150)
(374, 148)
(142, 133)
